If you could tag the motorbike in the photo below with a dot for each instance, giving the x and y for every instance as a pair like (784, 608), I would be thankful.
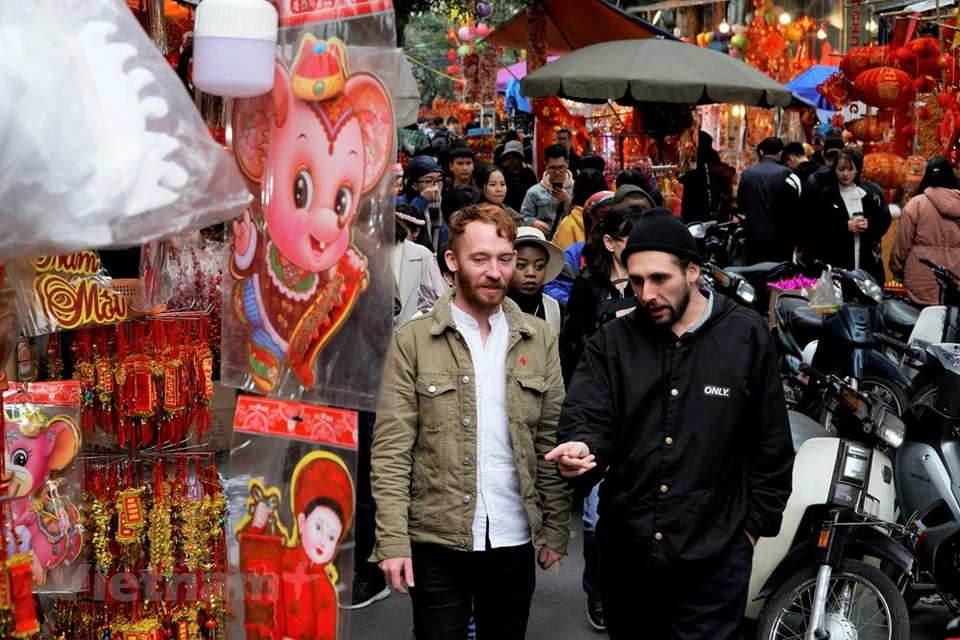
(936, 324)
(842, 343)
(811, 580)
(927, 478)
(728, 283)
(722, 243)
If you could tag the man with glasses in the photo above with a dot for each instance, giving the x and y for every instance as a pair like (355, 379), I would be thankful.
(422, 184)
(547, 201)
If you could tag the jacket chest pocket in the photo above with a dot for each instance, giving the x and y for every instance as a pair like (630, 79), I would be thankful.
(531, 390)
(437, 397)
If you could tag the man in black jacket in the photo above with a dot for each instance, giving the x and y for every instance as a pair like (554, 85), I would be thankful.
(679, 407)
(768, 196)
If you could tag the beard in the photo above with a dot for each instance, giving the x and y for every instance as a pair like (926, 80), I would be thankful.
(672, 313)
(475, 295)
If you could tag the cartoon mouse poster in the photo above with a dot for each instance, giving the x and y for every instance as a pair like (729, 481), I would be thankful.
(291, 579)
(316, 146)
(45, 522)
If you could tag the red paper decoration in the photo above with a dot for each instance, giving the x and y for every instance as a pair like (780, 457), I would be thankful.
(904, 59)
(885, 87)
(886, 169)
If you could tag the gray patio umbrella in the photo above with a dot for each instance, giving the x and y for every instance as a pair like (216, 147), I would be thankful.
(654, 70)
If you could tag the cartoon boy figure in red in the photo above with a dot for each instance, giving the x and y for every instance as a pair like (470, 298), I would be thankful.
(291, 580)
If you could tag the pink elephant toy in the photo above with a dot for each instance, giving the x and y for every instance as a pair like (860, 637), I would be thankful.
(45, 521)
(316, 145)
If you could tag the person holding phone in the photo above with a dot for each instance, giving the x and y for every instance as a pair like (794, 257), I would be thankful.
(850, 221)
(422, 184)
(547, 201)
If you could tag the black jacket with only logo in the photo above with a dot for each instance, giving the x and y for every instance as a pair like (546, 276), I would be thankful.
(692, 431)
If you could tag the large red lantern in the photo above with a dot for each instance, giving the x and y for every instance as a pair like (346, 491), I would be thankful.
(867, 129)
(858, 60)
(904, 59)
(885, 87)
(927, 51)
(886, 169)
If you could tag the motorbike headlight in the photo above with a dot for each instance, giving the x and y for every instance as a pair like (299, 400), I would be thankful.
(697, 230)
(890, 428)
(869, 288)
(746, 292)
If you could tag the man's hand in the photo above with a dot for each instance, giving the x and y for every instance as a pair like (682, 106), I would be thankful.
(562, 196)
(857, 225)
(540, 224)
(430, 193)
(548, 557)
(397, 572)
(573, 459)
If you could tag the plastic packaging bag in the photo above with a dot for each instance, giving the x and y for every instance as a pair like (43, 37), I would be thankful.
(308, 289)
(290, 512)
(100, 145)
(825, 299)
(43, 443)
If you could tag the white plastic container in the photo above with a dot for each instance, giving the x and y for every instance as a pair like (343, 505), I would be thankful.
(235, 47)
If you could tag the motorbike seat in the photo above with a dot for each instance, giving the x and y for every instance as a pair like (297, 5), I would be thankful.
(803, 428)
(802, 321)
(899, 317)
(758, 270)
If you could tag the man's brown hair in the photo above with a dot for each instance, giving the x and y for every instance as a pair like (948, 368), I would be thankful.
(488, 213)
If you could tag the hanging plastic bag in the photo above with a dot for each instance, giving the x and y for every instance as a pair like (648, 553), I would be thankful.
(100, 146)
(825, 299)
(308, 289)
(290, 520)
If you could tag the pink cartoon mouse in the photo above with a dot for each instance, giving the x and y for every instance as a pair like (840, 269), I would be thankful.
(45, 522)
(317, 144)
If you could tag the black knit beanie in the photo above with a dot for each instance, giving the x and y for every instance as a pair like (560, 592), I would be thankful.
(658, 232)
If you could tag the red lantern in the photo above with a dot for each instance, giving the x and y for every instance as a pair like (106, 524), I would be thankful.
(453, 69)
(451, 55)
(886, 169)
(885, 87)
(925, 84)
(858, 60)
(928, 54)
(904, 59)
(867, 129)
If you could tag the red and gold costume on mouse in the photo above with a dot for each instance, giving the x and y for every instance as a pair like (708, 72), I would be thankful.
(293, 580)
(316, 146)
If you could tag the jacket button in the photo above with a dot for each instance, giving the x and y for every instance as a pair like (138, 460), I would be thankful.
(658, 536)
(679, 344)
(663, 488)
(466, 499)
(466, 459)
(466, 422)
(432, 389)
(465, 379)
(674, 393)
(462, 544)
(668, 440)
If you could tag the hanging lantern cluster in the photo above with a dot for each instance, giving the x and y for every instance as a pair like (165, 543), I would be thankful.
(463, 39)
(772, 41)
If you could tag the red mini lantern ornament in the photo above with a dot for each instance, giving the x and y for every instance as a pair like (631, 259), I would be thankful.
(885, 87)
(868, 129)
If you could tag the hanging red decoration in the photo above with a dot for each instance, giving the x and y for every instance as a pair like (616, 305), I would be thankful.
(886, 169)
(884, 87)
(836, 89)
(925, 84)
(453, 69)
(451, 55)
(858, 60)
(868, 129)
(928, 53)
(904, 59)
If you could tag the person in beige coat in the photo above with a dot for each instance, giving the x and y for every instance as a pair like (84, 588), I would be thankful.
(466, 503)
(929, 228)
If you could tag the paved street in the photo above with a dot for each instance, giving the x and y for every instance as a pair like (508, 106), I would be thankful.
(559, 610)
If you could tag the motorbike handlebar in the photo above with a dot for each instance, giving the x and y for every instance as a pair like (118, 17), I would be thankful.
(900, 347)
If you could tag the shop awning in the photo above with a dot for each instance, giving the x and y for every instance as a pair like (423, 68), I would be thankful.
(516, 71)
(917, 7)
(575, 25)
(672, 5)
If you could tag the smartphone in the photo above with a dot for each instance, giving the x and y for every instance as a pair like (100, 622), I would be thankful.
(557, 186)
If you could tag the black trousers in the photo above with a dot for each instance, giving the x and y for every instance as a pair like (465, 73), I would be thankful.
(685, 601)
(497, 585)
(366, 526)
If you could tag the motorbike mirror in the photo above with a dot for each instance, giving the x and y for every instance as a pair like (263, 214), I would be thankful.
(698, 230)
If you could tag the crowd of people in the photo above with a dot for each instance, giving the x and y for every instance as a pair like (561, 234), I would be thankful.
(551, 340)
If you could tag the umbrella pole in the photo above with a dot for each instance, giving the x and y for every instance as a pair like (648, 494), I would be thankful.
(623, 127)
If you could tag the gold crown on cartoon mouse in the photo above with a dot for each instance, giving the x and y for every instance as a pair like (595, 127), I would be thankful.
(320, 69)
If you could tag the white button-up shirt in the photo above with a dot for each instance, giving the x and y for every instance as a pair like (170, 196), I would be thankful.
(498, 499)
